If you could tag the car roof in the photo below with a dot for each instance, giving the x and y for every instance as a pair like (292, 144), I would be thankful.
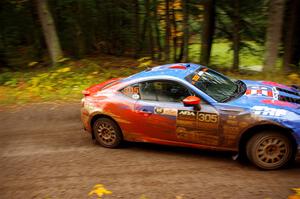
(179, 70)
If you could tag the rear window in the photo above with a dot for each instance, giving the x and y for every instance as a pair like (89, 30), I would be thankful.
(110, 84)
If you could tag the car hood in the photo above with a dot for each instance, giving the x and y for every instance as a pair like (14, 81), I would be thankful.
(269, 94)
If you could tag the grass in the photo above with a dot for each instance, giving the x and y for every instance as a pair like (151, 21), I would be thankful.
(63, 82)
(222, 55)
(68, 79)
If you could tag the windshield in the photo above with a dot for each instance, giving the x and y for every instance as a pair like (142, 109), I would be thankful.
(213, 84)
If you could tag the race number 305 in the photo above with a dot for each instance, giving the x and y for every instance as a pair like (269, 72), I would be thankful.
(207, 117)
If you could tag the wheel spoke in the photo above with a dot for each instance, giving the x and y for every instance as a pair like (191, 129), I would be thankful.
(106, 133)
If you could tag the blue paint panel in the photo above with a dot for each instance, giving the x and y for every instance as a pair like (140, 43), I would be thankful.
(283, 107)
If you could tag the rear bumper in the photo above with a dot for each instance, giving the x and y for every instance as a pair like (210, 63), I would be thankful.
(85, 118)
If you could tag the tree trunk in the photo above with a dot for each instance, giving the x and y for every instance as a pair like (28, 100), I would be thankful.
(157, 31)
(143, 34)
(174, 35)
(49, 31)
(208, 31)
(236, 35)
(150, 29)
(80, 39)
(168, 32)
(296, 57)
(290, 38)
(137, 28)
(185, 26)
(274, 31)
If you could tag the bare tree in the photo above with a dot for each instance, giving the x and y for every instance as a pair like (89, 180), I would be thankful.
(208, 31)
(49, 30)
(236, 34)
(157, 31)
(290, 37)
(137, 28)
(185, 27)
(168, 31)
(274, 32)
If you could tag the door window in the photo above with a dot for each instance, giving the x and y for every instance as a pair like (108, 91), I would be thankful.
(165, 91)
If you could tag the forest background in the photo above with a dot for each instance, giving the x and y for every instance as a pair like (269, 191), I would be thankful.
(53, 49)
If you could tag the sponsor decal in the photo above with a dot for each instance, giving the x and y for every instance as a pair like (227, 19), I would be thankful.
(232, 122)
(266, 111)
(186, 115)
(243, 124)
(198, 127)
(262, 91)
(198, 75)
(275, 84)
(199, 116)
(165, 111)
(196, 78)
(158, 110)
(279, 103)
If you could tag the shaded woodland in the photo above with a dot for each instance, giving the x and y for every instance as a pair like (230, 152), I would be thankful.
(47, 31)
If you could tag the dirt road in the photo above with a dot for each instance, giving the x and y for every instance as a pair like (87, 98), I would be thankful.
(44, 153)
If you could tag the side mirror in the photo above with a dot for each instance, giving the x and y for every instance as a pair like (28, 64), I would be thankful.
(192, 101)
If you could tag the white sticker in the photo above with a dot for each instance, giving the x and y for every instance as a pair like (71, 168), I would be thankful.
(135, 96)
(200, 73)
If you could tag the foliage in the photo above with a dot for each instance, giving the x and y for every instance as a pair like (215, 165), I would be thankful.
(66, 81)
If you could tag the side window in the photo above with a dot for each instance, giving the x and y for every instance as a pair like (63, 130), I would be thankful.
(166, 91)
(147, 90)
(132, 91)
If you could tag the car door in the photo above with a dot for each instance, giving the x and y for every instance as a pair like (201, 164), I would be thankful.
(207, 131)
(158, 108)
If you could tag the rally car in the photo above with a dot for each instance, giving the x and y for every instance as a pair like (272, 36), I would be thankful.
(193, 106)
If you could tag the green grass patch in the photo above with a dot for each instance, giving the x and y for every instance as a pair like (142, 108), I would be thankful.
(222, 54)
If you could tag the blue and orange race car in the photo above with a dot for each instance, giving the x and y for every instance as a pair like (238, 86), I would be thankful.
(193, 106)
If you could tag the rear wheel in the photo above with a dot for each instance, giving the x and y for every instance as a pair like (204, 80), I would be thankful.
(269, 150)
(107, 133)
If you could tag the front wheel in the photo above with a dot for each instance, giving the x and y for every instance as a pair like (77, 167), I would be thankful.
(269, 150)
(107, 133)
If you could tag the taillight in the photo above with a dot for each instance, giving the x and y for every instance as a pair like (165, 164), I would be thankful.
(82, 102)
(86, 92)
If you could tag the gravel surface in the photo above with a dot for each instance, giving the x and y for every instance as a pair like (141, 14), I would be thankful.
(44, 153)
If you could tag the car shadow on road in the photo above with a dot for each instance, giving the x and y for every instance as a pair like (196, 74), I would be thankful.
(193, 153)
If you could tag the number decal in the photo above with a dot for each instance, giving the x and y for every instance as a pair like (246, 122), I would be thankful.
(131, 90)
(207, 117)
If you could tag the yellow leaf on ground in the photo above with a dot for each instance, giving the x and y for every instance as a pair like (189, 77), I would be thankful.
(99, 190)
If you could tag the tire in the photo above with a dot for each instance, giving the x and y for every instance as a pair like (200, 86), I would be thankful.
(270, 150)
(107, 133)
